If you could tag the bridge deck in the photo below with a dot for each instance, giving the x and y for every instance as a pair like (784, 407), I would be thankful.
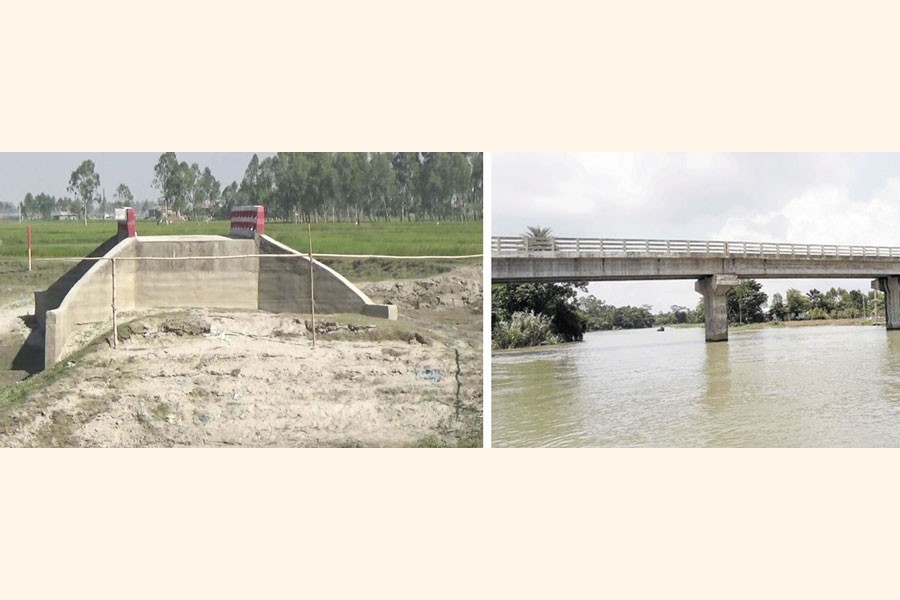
(605, 246)
(568, 259)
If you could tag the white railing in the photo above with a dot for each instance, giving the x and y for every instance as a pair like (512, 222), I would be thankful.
(595, 246)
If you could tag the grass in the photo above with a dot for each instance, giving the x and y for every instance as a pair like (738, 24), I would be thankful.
(17, 283)
(71, 239)
(57, 239)
(813, 323)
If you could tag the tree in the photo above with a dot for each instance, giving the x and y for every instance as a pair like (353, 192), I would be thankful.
(190, 180)
(556, 300)
(84, 183)
(124, 197)
(597, 313)
(406, 167)
(458, 181)
(778, 311)
(797, 304)
(351, 172)
(745, 302)
(320, 188)
(231, 196)
(382, 182)
(632, 317)
(29, 207)
(45, 205)
(679, 313)
(538, 238)
(253, 183)
(478, 182)
(166, 180)
(209, 191)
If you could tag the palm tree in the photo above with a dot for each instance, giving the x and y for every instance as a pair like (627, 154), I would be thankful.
(538, 238)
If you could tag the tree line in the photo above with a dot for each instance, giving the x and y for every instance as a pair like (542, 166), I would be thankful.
(309, 186)
(296, 186)
(531, 314)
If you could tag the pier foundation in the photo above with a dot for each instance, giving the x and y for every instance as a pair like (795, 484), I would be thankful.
(714, 288)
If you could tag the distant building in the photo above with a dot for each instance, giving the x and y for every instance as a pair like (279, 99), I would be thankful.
(65, 215)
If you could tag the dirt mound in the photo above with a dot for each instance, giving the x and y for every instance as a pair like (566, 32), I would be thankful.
(461, 287)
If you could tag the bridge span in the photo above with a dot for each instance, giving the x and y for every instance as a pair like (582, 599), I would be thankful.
(716, 266)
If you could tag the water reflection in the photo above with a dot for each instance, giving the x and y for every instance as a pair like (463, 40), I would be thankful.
(773, 387)
(889, 367)
(717, 371)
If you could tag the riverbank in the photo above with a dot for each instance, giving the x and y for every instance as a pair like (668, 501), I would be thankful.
(815, 323)
(731, 326)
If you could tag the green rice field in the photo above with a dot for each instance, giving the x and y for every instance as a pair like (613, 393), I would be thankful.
(54, 239)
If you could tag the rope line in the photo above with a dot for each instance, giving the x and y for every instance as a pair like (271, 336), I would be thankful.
(230, 256)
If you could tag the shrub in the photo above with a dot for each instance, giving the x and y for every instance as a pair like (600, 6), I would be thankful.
(523, 329)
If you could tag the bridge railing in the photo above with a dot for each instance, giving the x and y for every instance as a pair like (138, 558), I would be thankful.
(508, 244)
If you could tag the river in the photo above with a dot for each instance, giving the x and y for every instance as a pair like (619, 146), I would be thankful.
(828, 386)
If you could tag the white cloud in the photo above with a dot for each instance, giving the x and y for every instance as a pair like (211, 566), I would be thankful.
(799, 198)
(824, 215)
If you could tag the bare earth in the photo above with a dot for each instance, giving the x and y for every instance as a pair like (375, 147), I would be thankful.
(224, 378)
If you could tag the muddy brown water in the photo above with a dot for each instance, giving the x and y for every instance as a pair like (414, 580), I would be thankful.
(836, 386)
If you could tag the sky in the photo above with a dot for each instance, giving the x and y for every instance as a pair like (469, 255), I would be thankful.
(810, 198)
(49, 172)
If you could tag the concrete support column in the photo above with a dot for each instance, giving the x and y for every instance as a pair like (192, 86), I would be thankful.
(891, 288)
(714, 288)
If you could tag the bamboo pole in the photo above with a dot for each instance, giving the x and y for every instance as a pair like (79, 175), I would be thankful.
(115, 343)
(312, 287)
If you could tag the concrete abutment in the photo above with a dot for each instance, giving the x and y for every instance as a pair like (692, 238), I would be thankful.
(179, 271)
(715, 305)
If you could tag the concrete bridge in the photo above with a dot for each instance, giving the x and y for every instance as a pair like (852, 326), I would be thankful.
(716, 266)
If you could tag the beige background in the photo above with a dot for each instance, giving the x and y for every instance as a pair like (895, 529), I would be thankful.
(457, 76)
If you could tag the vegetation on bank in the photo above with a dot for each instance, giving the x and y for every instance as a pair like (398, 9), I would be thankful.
(524, 329)
(747, 305)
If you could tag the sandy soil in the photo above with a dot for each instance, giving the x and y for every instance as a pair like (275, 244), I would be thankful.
(220, 378)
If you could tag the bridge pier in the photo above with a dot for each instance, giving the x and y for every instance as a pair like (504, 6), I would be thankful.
(715, 306)
(891, 288)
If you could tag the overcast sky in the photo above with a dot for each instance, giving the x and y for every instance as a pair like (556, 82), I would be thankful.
(49, 172)
(800, 198)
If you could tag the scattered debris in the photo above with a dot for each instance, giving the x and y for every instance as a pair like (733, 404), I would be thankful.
(432, 375)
